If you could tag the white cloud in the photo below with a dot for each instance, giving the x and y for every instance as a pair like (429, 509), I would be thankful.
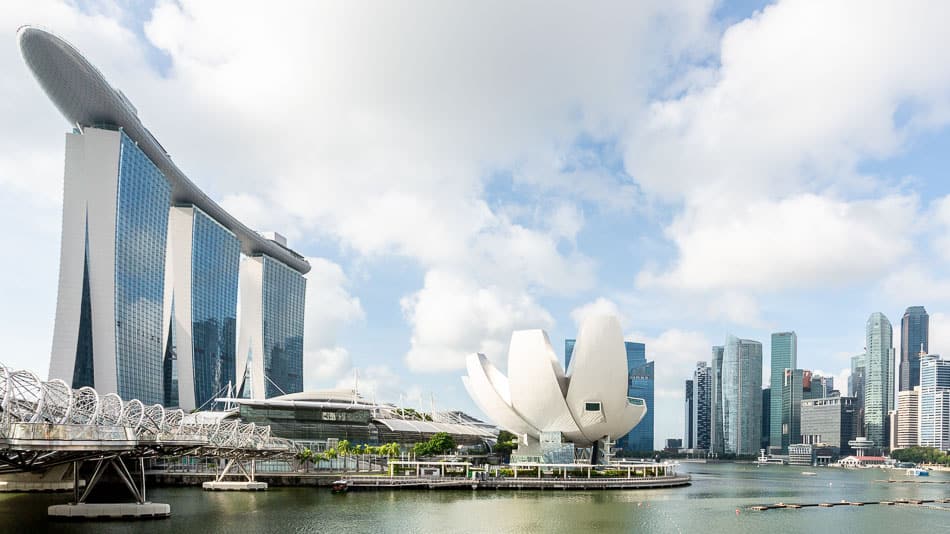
(329, 309)
(939, 342)
(802, 241)
(600, 306)
(453, 316)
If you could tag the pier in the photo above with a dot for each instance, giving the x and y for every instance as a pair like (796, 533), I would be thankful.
(906, 502)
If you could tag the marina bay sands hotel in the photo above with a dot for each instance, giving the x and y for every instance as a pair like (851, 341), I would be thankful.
(150, 266)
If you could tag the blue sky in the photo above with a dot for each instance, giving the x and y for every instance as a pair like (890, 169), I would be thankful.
(460, 171)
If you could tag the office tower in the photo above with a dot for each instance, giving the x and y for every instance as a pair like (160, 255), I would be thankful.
(201, 296)
(934, 430)
(908, 419)
(792, 393)
(856, 385)
(702, 399)
(688, 432)
(766, 417)
(742, 396)
(568, 351)
(145, 306)
(270, 349)
(915, 340)
(716, 443)
(829, 421)
(813, 386)
(784, 356)
(879, 378)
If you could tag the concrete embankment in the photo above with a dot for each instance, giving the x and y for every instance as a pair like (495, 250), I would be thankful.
(357, 481)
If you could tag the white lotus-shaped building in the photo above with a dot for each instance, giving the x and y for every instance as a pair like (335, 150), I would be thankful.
(586, 404)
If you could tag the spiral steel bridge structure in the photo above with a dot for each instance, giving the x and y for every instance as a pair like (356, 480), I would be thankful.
(45, 423)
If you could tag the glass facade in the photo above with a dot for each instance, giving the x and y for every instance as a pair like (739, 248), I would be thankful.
(568, 352)
(830, 421)
(689, 408)
(784, 356)
(170, 377)
(216, 255)
(766, 417)
(934, 411)
(915, 339)
(702, 381)
(142, 204)
(715, 404)
(879, 378)
(742, 396)
(84, 368)
(284, 291)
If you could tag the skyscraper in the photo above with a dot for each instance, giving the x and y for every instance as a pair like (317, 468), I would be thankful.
(784, 356)
(934, 402)
(146, 303)
(908, 418)
(716, 444)
(270, 349)
(201, 298)
(702, 399)
(791, 403)
(829, 421)
(766, 417)
(742, 396)
(108, 331)
(688, 432)
(856, 384)
(915, 339)
(879, 381)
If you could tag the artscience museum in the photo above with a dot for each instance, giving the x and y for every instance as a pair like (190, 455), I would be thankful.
(559, 414)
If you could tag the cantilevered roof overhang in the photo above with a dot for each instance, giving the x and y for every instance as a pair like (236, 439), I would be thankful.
(85, 98)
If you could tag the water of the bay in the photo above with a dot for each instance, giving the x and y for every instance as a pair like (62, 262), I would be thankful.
(708, 505)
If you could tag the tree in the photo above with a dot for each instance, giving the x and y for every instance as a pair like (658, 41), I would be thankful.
(506, 443)
(440, 443)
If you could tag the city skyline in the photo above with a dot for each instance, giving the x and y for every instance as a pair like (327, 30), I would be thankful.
(561, 185)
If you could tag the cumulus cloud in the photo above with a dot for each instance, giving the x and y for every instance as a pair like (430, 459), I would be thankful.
(763, 150)
(453, 316)
(600, 306)
(329, 308)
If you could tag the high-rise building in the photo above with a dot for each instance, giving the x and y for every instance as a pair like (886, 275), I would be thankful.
(856, 384)
(109, 326)
(702, 399)
(568, 352)
(688, 432)
(716, 443)
(784, 356)
(201, 276)
(146, 302)
(829, 421)
(879, 381)
(270, 349)
(640, 380)
(915, 340)
(908, 419)
(742, 396)
(766, 417)
(934, 430)
(792, 393)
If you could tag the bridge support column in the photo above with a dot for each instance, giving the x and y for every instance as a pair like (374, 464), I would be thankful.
(249, 472)
(80, 509)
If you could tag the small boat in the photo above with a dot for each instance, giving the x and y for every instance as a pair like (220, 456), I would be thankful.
(340, 486)
(917, 472)
(809, 473)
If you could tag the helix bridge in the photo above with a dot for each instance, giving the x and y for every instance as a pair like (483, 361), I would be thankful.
(47, 423)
